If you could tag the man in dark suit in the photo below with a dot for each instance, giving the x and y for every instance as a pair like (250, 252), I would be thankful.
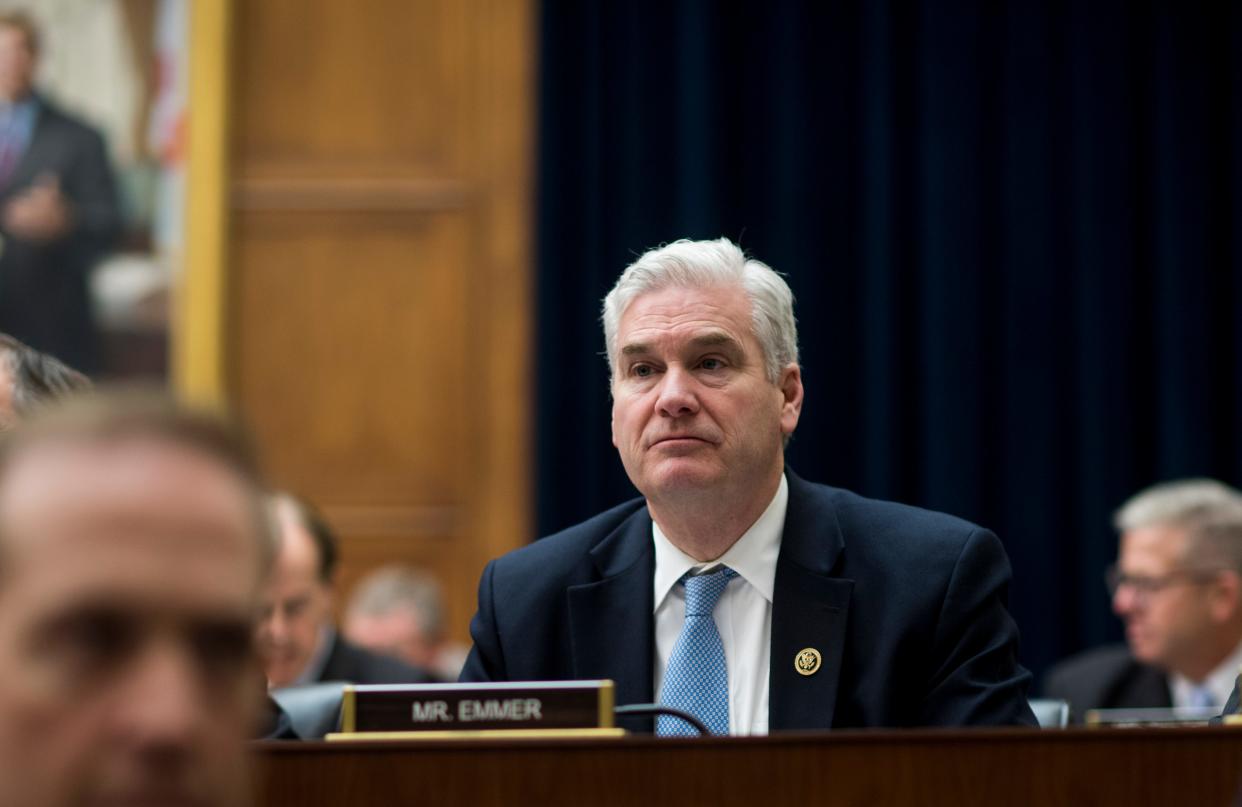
(1177, 585)
(297, 639)
(399, 611)
(1107, 678)
(58, 209)
(733, 589)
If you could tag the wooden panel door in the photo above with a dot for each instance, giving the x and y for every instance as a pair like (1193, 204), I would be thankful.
(377, 312)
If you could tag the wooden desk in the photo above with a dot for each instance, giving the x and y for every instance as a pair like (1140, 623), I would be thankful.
(1196, 766)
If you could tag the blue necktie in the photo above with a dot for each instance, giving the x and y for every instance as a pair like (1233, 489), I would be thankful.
(697, 680)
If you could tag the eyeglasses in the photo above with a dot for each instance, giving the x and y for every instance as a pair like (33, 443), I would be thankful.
(1147, 585)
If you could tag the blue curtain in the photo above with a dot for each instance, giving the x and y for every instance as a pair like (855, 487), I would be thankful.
(1013, 229)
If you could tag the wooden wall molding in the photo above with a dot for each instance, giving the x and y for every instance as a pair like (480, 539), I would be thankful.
(388, 522)
(348, 194)
(199, 324)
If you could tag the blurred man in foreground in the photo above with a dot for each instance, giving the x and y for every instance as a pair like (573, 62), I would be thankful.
(297, 638)
(1177, 585)
(399, 611)
(132, 549)
(734, 590)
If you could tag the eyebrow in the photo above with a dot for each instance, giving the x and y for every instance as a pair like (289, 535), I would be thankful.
(710, 339)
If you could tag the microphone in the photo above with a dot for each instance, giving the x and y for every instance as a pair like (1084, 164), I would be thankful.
(1231, 715)
(643, 709)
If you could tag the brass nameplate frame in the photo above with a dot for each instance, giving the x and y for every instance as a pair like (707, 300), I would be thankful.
(497, 734)
(478, 711)
(1169, 716)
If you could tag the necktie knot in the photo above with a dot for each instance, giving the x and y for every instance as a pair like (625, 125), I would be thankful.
(704, 590)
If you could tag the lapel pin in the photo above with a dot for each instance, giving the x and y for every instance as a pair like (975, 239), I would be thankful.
(807, 661)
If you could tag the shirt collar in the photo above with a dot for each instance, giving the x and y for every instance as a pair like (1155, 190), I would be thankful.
(753, 556)
(1220, 680)
(23, 109)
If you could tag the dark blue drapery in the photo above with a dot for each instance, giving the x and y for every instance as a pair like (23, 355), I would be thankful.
(1013, 230)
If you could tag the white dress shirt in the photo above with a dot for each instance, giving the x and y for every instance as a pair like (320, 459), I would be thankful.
(743, 614)
(1219, 682)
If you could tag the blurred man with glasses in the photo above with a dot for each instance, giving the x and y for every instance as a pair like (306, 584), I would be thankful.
(1177, 586)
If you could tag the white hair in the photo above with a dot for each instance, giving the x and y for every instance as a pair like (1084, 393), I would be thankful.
(1209, 511)
(401, 589)
(703, 264)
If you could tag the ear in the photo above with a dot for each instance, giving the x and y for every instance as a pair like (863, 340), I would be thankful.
(1227, 597)
(790, 385)
(612, 422)
(612, 400)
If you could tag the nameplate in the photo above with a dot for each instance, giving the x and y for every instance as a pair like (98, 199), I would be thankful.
(1169, 716)
(522, 706)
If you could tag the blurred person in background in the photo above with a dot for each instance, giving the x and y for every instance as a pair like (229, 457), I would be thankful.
(1177, 586)
(59, 211)
(297, 638)
(29, 379)
(399, 611)
(133, 548)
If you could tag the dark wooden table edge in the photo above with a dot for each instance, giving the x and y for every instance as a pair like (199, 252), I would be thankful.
(860, 737)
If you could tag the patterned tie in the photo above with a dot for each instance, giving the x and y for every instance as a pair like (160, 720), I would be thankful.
(697, 680)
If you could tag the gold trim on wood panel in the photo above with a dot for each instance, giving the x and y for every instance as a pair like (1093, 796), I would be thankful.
(198, 324)
(317, 194)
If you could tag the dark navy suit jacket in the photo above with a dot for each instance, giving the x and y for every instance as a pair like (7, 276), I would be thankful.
(906, 606)
(349, 662)
(1107, 678)
(43, 285)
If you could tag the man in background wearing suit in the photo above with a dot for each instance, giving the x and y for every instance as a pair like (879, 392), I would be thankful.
(733, 589)
(1177, 585)
(399, 611)
(58, 209)
(297, 639)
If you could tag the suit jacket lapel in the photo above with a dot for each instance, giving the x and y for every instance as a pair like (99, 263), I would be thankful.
(611, 624)
(810, 609)
(1147, 687)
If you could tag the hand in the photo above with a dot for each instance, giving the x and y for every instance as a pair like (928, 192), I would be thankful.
(39, 213)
